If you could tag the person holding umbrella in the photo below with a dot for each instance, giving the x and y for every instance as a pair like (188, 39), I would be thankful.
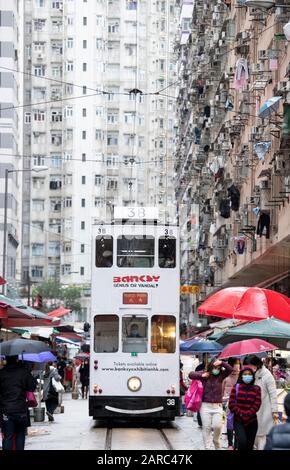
(15, 382)
(211, 410)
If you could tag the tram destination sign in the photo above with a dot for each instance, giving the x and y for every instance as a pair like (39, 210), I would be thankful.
(136, 213)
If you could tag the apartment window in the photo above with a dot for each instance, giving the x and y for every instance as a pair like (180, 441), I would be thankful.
(38, 160)
(68, 133)
(83, 203)
(36, 271)
(82, 271)
(84, 157)
(129, 139)
(129, 117)
(39, 70)
(56, 5)
(38, 225)
(113, 26)
(67, 247)
(56, 116)
(66, 269)
(99, 202)
(54, 248)
(82, 248)
(100, 44)
(37, 204)
(69, 66)
(39, 3)
(39, 115)
(98, 180)
(39, 46)
(37, 249)
(84, 112)
(67, 179)
(99, 111)
(55, 204)
(27, 118)
(112, 161)
(68, 111)
(112, 138)
(112, 184)
(84, 21)
(70, 43)
(67, 202)
(141, 142)
(55, 161)
(84, 66)
(84, 90)
(84, 44)
(130, 50)
(131, 4)
(83, 180)
(70, 20)
(83, 225)
(113, 117)
(39, 24)
(99, 134)
(84, 135)
(56, 139)
(56, 71)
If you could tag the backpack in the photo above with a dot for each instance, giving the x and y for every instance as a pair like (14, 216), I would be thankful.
(193, 396)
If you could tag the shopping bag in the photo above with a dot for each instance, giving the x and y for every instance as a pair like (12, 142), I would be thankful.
(193, 396)
(31, 400)
(57, 385)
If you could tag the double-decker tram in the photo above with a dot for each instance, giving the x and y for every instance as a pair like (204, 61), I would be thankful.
(134, 369)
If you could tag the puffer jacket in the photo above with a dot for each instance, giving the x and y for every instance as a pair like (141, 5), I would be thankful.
(279, 437)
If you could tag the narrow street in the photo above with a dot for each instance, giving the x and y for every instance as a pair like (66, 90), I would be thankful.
(75, 430)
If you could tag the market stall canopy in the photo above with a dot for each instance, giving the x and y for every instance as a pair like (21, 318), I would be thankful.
(2, 281)
(247, 347)
(59, 312)
(247, 303)
(270, 106)
(272, 330)
(29, 317)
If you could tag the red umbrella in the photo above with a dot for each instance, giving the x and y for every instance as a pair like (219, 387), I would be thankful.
(247, 303)
(245, 347)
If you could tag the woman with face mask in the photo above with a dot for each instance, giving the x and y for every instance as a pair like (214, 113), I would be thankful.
(245, 401)
(211, 410)
(228, 384)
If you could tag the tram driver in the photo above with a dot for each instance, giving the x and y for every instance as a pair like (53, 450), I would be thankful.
(134, 331)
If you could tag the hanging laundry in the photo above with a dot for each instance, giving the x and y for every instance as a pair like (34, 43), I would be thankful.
(273, 64)
(242, 74)
(286, 30)
(256, 211)
(263, 223)
(261, 148)
(207, 111)
(225, 209)
(197, 133)
(234, 195)
(212, 228)
(229, 104)
(239, 245)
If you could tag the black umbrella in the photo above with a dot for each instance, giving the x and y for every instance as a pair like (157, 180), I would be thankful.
(14, 347)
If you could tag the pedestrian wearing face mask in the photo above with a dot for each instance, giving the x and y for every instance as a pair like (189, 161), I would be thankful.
(245, 401)
(268, 414)
(228, 384)
(211, 410)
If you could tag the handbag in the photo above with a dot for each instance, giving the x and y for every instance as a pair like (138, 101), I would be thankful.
(31, 400)
(57, 385)
(231, 415)
(193, 396)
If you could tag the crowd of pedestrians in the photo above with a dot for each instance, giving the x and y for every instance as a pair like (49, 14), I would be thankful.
(242, 396)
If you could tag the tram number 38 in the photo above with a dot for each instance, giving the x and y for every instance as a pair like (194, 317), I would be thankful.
(170, 402)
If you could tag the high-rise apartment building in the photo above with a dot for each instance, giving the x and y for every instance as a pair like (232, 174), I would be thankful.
(10, 136)
(96, 121)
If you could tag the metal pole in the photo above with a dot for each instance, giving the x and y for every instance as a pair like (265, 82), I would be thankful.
(5, 228)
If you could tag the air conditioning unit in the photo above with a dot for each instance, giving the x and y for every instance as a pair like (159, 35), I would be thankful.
(279, 164)
(284, 86)
(229, 226)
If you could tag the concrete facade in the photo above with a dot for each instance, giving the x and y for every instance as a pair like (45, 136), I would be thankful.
(224, 143)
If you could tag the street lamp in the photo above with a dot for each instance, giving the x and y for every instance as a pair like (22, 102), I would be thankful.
(264, 4)
(7, 171)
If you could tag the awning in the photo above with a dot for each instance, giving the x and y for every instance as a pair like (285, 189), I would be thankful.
(184, 38)
(186, 11)
(2, 281)
(59, 312)
(13, 313)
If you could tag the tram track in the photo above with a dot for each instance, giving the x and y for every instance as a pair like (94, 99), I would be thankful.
(165, 440)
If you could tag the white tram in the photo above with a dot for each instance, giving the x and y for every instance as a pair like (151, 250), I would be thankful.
(135, 318)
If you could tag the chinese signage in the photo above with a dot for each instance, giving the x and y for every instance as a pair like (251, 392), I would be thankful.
(189, 289)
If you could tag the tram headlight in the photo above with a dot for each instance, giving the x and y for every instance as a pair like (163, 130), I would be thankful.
(134, 384)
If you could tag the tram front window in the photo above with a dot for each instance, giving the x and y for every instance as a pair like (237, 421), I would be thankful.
(163, 334)
(106, 339)
(104, 251)
(167, 252)
(135, 333)
(135, 251)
